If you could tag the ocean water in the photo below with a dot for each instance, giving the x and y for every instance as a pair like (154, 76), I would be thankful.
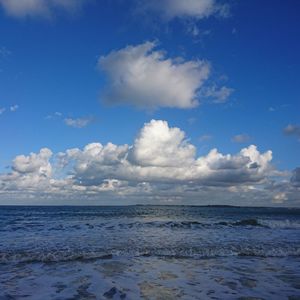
(149, 252)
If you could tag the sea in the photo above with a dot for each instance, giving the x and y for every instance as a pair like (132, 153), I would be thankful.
(149, 252)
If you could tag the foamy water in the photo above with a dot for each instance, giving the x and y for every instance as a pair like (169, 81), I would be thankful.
(151, 252)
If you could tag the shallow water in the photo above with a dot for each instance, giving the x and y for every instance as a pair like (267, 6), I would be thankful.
(151, 252)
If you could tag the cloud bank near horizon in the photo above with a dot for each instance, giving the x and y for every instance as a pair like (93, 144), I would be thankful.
(161, 166)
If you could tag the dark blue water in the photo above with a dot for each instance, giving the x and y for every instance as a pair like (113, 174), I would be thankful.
(66, 233)
(42, 247)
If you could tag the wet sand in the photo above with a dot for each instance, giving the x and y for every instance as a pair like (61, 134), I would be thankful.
(242, 278)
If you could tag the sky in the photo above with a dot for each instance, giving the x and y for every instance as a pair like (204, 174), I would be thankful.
(116, 102)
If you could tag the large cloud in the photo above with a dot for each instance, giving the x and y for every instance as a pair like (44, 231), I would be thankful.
(161, 154)
(144, 77)
(43, 8)
(197, 9)
(161, 165)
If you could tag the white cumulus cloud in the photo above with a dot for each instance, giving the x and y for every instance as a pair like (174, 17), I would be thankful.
(160, 164)
(34, 163)
(162, 154)
(144, 77)
(32, 172)
(159, 145)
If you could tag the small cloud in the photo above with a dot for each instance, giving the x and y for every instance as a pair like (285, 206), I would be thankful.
(56, 115)
(240, 138)
(77, 123)
(293, 130)
(280, 198)
(278, 107)
(191, 120)
(192, 9)
(2, 110)
(72, 122)
(13, 108)
(224, 11)
(205, 137)
(223, 78)
(219, 95)
(38, 8)
(195, 31)
(4, 52)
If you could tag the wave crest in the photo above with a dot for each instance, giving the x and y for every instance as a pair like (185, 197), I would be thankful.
(51, 256)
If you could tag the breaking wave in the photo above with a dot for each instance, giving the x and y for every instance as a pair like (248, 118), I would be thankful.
(280, 224)
(60, 255)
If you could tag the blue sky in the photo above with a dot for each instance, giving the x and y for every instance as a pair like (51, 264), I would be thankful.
(52, 81)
